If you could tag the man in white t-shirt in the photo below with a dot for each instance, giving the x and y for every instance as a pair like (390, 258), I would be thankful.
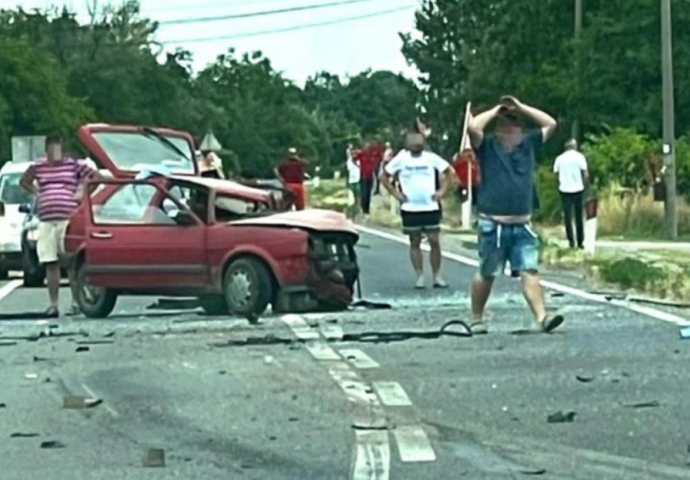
(571, 169)
(417, 173)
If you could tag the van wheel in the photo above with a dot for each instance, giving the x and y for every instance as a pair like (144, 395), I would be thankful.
(94, 302)
(214, 304)
(248, 287)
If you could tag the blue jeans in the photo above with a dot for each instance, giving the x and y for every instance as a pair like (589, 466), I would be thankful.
(500, 243)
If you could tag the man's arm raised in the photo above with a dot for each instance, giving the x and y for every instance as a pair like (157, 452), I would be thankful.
(478, 124)
(546, 122)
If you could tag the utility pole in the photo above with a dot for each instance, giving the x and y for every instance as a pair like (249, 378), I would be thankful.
(578, 65)
(669, 153)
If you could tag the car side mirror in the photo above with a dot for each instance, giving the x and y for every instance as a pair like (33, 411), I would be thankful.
(184, 218)
(25, 208)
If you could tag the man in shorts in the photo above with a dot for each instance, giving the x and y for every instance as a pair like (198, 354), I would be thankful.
(505, 204)
(58, 185)
(417, 171)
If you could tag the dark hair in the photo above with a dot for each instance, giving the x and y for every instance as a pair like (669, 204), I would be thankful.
(53, 138)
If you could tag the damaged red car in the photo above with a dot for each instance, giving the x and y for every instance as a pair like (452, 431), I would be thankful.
(157, 228)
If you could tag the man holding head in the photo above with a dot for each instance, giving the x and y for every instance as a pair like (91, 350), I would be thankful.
(505, 203)
(420, 192)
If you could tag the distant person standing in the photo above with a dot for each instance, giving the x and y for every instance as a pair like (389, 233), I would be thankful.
(58, 184)
(353, 178)
(291, 173)
(420, 194)
(368, 164)
(571, 169)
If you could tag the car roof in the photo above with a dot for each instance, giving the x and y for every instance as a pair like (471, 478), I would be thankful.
(227, 187)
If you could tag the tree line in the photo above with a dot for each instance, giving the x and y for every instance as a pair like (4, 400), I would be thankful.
(58, 73)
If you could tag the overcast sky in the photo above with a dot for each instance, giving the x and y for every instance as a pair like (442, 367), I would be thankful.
(343, 48)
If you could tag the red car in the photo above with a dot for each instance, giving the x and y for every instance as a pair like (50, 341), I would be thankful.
(176, 233)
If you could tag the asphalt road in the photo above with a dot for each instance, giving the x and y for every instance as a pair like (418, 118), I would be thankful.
(337, 406)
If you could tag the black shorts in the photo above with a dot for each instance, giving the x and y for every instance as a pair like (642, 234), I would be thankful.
(421, 222)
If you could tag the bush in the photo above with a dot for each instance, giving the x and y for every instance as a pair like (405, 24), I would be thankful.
(631, 273)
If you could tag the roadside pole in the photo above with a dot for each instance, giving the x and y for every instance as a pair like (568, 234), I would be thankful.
(578, 63)
(669, 168)
(467, 206)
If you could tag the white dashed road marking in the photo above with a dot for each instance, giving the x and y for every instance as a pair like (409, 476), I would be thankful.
(372, 457)
(359, 359)
(576, 292)
(414, 445)
(392, 394)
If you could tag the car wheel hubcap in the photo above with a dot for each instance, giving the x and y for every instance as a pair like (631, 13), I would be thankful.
(240, 290)
(92, 295)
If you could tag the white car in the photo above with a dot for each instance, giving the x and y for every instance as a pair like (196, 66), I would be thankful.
(12, 195)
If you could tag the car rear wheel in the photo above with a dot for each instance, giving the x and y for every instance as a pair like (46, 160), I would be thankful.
(248, 287)
(214, 304)
(94, 302)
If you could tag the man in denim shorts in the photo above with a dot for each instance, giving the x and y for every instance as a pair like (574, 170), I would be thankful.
(505, 204)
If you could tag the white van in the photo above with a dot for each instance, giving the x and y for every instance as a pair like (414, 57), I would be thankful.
(12, 195)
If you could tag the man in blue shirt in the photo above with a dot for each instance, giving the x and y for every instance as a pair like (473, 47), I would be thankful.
(505, 204)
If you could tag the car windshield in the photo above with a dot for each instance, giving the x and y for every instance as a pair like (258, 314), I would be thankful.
(136, 152)
(11, 192)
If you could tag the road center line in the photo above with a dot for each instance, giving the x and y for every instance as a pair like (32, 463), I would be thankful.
(9, 288)
(372, 449)
(646, 311)
(358, 358)
(392, 394)
(414, 445)
(373, 456)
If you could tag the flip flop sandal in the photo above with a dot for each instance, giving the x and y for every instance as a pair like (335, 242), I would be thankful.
(549, 324)
(479, 328)
(52, 312)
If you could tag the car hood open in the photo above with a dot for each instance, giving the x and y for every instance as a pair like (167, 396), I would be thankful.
(316, 220)
(126, 150)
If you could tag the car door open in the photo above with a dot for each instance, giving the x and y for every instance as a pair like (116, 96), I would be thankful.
(143, 239)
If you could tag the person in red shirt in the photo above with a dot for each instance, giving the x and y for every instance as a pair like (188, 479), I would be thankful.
(368, 163)
(463, 164)
(291, 173)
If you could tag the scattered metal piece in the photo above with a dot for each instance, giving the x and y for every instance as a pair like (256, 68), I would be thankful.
(295, 419)
(273, 438)
(76, 402)
(155, 458)
(685, 333)
(2, 405)
(109, 334)
(652, 404)
(23, 435)
(560, 417)
(656, 301)
(40, 359)
(584, 379)
(222, 372)
(557, 294)
(31, 376)
(82, 349)
(52, 444)
(371, 305)
(95, 342)
(539, 471)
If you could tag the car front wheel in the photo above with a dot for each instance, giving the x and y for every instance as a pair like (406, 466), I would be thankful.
(248, 287)
(94, 302)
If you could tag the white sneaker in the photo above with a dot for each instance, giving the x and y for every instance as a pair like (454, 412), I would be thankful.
(420, 285)
(440, 283)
